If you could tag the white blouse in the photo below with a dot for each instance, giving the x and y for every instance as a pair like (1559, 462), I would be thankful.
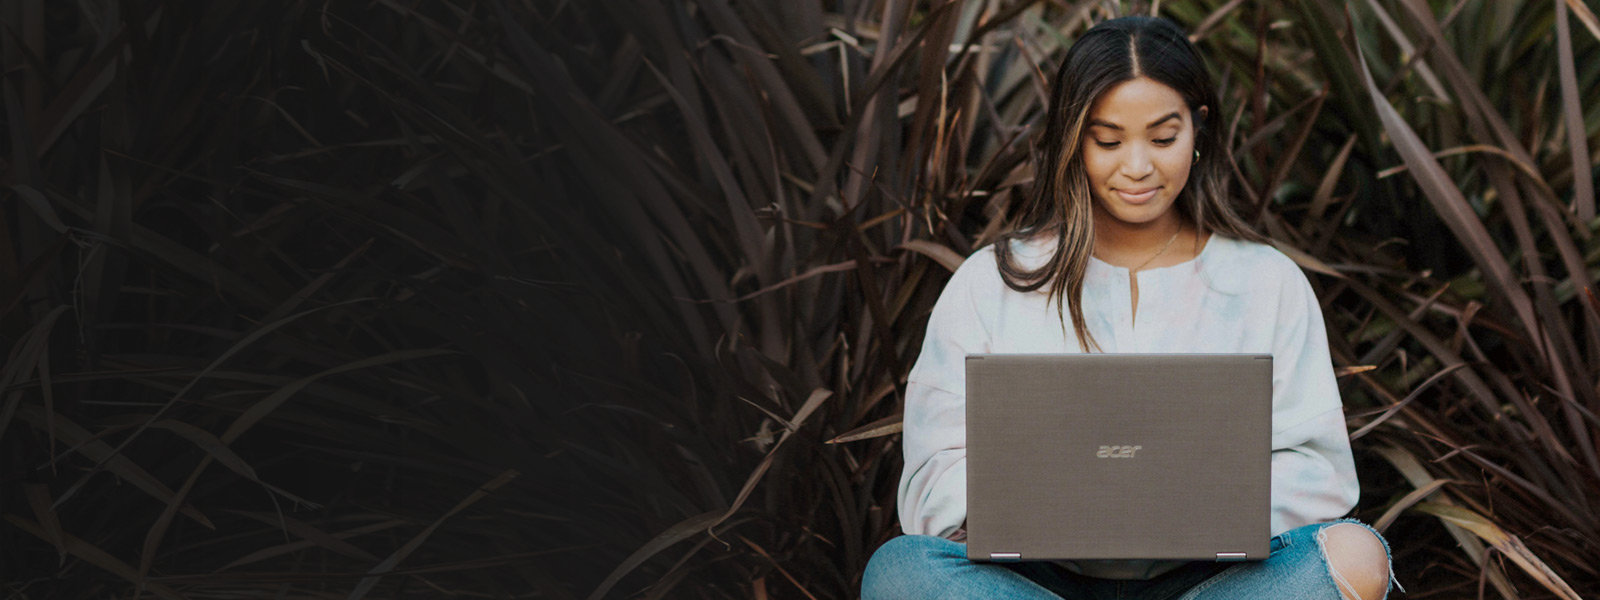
(1235, 297)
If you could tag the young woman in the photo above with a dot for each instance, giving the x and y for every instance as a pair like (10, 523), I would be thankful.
(1130, 244)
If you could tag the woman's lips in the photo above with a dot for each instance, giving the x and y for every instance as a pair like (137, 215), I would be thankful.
(1137, 196)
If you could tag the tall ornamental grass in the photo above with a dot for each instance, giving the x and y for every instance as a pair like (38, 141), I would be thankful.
(616, 298)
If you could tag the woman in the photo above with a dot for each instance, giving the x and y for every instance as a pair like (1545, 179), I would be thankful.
(1130, 244)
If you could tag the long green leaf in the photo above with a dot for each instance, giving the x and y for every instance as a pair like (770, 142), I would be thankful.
(1446, 198)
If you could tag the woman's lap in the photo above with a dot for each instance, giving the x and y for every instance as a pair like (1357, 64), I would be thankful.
(922, 566)
(914, 566)
(1298, 568)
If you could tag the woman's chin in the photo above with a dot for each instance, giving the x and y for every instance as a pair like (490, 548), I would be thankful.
(1139, 215)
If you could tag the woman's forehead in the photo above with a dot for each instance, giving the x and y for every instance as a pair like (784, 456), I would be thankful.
(1138, 103)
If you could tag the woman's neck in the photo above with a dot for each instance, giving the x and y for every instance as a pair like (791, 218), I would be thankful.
(1142, 245)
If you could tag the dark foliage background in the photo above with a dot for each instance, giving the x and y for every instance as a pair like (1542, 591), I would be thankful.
(616, 298)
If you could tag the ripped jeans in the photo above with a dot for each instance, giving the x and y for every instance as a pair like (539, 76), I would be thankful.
(920, 566)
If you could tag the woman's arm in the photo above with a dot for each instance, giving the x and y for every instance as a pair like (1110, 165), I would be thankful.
(933, 487)
(1313, 473)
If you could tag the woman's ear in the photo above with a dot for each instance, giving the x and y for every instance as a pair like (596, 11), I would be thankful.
(1200, 117)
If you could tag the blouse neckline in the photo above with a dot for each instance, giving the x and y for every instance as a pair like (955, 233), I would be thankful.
(1194, 264)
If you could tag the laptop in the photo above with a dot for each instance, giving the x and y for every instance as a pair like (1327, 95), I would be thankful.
(1118, 456)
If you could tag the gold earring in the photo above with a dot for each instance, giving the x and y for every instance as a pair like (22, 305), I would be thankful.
(1197, 155)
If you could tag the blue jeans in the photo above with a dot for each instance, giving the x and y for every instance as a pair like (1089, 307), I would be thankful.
(921, 566)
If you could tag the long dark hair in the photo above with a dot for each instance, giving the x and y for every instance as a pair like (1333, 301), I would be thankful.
(1061, 202)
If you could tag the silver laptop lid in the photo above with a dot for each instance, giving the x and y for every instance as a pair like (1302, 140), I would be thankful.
(1118, 456)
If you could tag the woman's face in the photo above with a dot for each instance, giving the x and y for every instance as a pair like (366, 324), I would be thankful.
(1137, 151)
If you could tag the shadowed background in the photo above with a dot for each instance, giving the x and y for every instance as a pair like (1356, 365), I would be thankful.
(616, 298)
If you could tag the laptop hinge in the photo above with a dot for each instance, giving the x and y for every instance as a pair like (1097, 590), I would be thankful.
(1230, 556)
(1005, 556)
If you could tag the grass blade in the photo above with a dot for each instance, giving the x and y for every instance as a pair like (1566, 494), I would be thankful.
(40, 206)
(1413, 471)
(87, 444)
(1432, 379)
(681, 531)
(940, 253)
(811, 404)
(237, 347)
(1586, 16)
(315, 537)
(1452, 207)
(266, 406)
(216, 450)
(26, 356)
(879, 428)
(97, 557)
(1572, 117)
(1406, 502)
(39, 500)
(410, 546)
(1506, 543)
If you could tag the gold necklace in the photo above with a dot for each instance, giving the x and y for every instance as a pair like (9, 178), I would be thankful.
(1160, 252)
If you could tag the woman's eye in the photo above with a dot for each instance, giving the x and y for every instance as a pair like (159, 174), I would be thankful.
(1107, 145)
(1166, 141)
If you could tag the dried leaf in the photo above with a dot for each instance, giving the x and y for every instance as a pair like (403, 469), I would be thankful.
(946, 257)
(1352, 370)
(811, 404)
(1330, 178)
(1411, 468)
(879, 428)
(1306, 261)
(782, 571)
(1406, 502)
(1507, 544)
(810, 273)
(1390, 412)
(1585, 16)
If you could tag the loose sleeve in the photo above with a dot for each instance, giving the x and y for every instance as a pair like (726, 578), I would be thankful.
(1313, 473)
(933, 486)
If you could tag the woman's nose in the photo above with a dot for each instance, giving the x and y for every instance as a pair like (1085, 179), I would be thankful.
(1136, 163)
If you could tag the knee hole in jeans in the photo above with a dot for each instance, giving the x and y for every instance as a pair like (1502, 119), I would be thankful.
(1357, 560)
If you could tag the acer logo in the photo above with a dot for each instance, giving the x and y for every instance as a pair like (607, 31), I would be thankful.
(1117, 451)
